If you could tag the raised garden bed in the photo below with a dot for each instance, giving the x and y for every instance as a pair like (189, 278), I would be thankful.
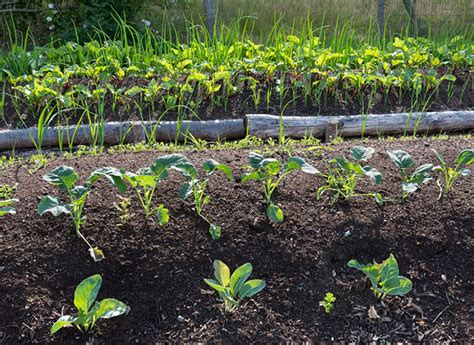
(159, 271)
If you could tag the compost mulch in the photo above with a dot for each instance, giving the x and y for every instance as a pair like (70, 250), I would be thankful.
(159, 271)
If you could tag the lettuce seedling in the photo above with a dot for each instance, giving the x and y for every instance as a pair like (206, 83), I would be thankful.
(145, 181)
(328, 302)
(65, 178)
(271, 172)
(6, 207)
(196, 187)
(234, 288)
(342, 180)
(90, 310)
(384, 277)
(451, 174)
(410, 183)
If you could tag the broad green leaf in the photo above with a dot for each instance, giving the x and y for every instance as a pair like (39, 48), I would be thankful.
(109, 308)
(422, 174)
(465, 172)
(255, 160)
(142, 180)
(362, 154)
(389, 269)
(401, 158)
(439, 157)
(163, 215)
(297, 163)
(239, 277)
(254, 175)
(114, 175)
(86, 292)
(251, 288)
(178, 162)
(7, 210)
(211, 165)
(63, 321)
(96, 254)
(215, 285)
(343, 163)
(373, 173)
(372, 271)
(221, 272)
(466, 157)
(409, 187)
(186, 190)
(53, 205)
(271, 166)
(397, 286)
(274, 213)
(215, 231)
(63, 177)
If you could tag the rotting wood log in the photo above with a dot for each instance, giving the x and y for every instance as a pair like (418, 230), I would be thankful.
(268, 126)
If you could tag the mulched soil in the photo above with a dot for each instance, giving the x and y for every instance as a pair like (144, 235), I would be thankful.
(460, 97)
(159, 271)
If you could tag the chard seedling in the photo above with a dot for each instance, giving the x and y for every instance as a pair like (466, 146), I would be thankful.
(271, 172)
(6, 207)
(451, 174)
(65, 179)
(328, 302)
(410, 183)
(90, 310)
(342, 180)
(384, 277)
(234, 288)
(145, 181)
(196, 187)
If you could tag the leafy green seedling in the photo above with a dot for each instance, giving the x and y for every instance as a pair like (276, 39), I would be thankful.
(451, 174)
(90, 310)
(234, 288)
(196, 187)
(342, 180)
(384, 277)
(271, 172)
(65, 178)
(328, 302)
(6, 207)
(410, 183)
(145, 181)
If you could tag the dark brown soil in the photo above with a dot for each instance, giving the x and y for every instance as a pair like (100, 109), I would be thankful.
(159, 271)
(458, 96)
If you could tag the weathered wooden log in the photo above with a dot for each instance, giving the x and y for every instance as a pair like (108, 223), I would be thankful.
(266, 126)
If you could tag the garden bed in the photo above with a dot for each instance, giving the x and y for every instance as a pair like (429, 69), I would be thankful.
(159, 271)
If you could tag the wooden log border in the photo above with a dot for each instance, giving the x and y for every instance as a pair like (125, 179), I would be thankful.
(261, 126)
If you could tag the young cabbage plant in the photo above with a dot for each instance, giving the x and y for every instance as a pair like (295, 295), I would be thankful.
(271, 172)
(90, 310)
(145, 181)
(6, 207)
(342, 180)
(410, 183)
(196, 187)
(451, 174)
(65, 179)
(234, 288)
(384, 277)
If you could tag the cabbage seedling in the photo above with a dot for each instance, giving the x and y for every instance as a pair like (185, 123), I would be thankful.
(145, 181)
(451, 174)
(342, 180)
(384, 277)
(410, 183)
(6, 207)
(271, 172)
(65, 178)
(234, 288)
(196, 187)
(90, 310)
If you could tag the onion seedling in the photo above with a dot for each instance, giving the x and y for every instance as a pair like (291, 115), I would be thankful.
(410, 183)
(196, 187)
(271, 173)
(451, 174)
(234, 288)
(65, 178)
(90, 310)
(384, 277)
(342, 180)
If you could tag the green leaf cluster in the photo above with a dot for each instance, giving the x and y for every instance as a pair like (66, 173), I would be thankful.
(451, 174)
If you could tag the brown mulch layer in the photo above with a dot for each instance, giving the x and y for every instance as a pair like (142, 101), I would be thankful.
(459, 97)
(159, 271)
